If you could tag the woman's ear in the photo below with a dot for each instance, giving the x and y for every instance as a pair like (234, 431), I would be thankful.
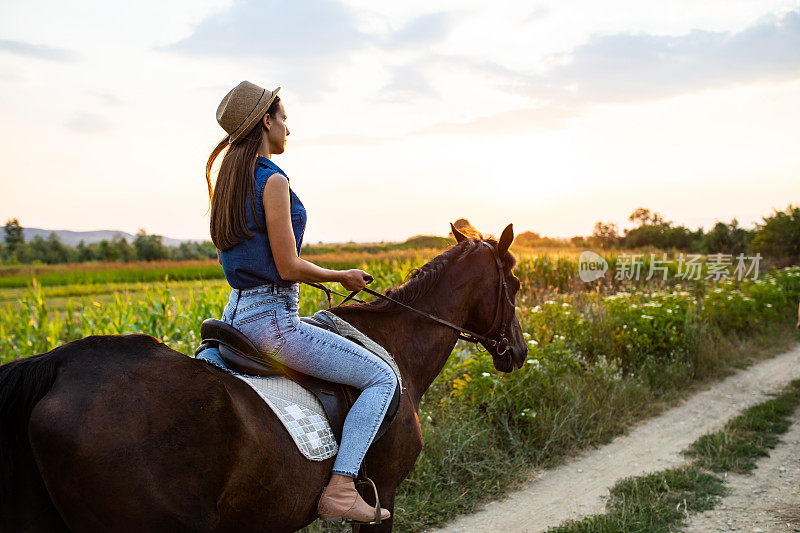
(265, 121)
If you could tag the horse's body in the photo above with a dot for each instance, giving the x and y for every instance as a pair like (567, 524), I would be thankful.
(124, 433)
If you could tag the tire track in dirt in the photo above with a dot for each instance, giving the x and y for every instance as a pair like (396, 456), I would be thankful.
(576, 489)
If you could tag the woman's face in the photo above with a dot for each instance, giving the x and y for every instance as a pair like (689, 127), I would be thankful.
(276, 130)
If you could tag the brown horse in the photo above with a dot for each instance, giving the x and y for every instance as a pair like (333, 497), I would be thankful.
(122, 433)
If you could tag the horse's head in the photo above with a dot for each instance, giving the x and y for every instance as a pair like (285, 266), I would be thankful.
(494, 312)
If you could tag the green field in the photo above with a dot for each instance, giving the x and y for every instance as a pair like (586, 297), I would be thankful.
(601, 356)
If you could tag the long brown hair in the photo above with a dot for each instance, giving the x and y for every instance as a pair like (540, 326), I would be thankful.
(234, 186)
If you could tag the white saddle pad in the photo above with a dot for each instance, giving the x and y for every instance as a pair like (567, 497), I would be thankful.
(301, 414)
(298, 410)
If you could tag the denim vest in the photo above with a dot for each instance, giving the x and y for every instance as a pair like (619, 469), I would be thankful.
(250, 263)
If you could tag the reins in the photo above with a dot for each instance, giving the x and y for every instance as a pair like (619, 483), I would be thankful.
(465, 334)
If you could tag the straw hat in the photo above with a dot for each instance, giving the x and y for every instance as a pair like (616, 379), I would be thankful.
(242, 107)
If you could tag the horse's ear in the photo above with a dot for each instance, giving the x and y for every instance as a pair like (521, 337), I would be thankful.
(505, 239)
(457, 234)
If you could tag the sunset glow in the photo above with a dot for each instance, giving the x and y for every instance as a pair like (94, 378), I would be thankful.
(415, 114)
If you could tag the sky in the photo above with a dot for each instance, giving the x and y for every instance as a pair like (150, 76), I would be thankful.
(405, 116)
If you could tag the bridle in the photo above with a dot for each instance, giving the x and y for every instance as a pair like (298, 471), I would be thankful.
(501, 345)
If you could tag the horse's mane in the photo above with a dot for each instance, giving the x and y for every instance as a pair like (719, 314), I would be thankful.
(420, 281)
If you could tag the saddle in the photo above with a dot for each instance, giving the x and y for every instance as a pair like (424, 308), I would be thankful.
(242, 356)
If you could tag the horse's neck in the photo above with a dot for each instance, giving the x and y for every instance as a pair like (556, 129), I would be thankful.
(419, 345)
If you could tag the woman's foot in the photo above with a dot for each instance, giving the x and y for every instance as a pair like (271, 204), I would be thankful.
(340, 500)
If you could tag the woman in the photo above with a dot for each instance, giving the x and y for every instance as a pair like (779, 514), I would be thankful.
(257, 224)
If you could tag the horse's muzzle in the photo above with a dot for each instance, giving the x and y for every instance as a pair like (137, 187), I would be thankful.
(511, 359)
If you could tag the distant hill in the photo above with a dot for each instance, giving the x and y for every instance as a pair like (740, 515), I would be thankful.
(72, 238)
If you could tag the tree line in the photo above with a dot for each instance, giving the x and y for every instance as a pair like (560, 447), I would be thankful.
(51, 250)
(778, 236)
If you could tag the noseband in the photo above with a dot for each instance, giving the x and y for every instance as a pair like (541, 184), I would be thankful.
(501, 345)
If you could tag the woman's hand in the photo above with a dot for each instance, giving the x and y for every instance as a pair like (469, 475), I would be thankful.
(354, 280)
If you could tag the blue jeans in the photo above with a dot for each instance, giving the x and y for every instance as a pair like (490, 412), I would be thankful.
(268, 316)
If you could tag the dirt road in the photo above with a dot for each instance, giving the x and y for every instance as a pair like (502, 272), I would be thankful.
(768, 501)
(577, 488)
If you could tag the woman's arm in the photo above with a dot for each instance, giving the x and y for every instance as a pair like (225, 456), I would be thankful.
(281, 241)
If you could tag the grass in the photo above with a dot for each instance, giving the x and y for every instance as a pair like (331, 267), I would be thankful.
(652, 503)
(473, 457)
(101, 273)
(108, 273)
(543, 269)
(58, 296)
(597, 362)
(470, 457)
(663, 500)
(747, 437)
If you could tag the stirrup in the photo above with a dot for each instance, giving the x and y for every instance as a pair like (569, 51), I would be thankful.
(341, 519)
(368, 481)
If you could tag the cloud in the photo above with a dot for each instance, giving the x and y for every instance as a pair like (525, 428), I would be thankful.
(109, 99)
(304, 42)
(10, 75)
(275, 30)
(307, 41)
(407, 83)
(507, 122)
(422, 31)
(626, 67)
(88, 123)
(38, 51)
(538, 14)
(410, 82)
(352, 140)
